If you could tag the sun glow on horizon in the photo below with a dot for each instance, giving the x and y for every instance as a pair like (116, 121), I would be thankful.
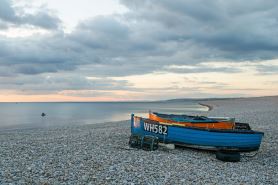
(166, 85)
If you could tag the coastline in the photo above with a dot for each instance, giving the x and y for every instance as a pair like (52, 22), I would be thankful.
(210, 107)
(99, 153)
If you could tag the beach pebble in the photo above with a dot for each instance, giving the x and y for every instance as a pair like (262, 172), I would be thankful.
(96, 154)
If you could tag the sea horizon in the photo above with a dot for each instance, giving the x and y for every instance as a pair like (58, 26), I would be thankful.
(144, 101)
(29, 114)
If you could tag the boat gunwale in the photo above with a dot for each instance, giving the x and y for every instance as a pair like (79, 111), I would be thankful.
(208, 121)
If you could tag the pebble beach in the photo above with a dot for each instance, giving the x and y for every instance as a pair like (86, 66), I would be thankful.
(99, 153)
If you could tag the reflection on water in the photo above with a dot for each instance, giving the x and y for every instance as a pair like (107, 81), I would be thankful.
(29, 114)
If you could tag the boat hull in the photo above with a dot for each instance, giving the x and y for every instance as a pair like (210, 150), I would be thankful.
(211, 139)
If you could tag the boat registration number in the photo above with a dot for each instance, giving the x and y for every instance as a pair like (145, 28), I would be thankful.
(155, 128)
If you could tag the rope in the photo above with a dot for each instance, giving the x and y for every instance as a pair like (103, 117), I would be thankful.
(250, 156)
(122, 148)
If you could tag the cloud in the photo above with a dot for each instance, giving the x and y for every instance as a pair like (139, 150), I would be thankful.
(47, 83)
(266, 69)
(36, 55)
(151, 37)
(42, 18)
(200, 68)
(7, 12)
(230, 29)
(3, 25)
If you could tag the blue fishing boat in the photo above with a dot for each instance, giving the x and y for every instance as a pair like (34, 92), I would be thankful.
(210, 139)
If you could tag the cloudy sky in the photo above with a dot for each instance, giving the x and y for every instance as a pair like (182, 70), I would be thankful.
(110, 50)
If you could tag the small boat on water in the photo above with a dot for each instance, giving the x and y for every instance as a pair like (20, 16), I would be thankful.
(193, 121)
(243, 139)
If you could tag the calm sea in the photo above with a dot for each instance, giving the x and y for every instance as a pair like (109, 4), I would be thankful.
(16, 115)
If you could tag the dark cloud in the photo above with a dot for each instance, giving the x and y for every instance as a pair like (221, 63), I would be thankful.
(7, 12)
(231, 28)
(104, 35)
(44, 84)
(37, 55)
(202, 69)
(42, 18)
(266, 69)
(151, 36)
